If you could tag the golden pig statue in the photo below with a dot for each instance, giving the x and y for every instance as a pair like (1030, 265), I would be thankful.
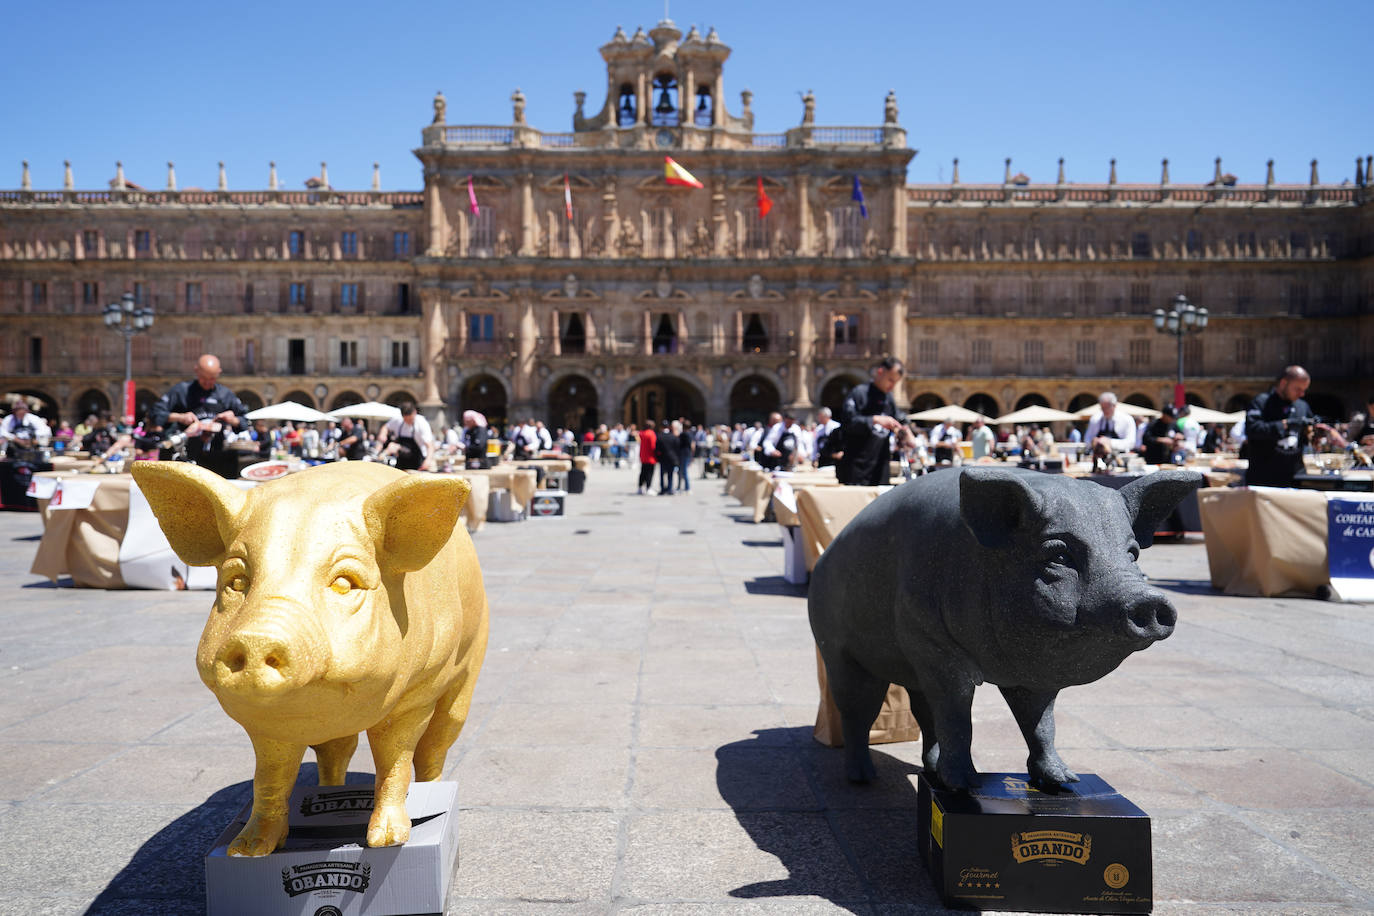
(349, 600)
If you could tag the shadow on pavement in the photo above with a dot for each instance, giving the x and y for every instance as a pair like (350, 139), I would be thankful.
(853, 845)
(773, 585)
(167, 873)
(1186, 586)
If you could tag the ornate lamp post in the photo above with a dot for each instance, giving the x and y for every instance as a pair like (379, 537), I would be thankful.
(1181, 320)
(129, 319)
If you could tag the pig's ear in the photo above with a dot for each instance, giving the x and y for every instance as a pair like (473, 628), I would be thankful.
(1150, 499)
(412, 519)
(195, 507)
(996, 505)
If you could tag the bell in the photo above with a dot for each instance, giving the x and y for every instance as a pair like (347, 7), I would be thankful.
(665, 104)
(703, 102)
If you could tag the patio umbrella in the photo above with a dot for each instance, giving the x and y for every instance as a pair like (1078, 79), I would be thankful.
(288, 410)
(368, 410)
(1129, 410)
(1208, 415)
(950, 413)
(1036, 414)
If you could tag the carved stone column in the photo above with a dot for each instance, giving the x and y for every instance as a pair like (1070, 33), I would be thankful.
(433, 333)
(804, 362)
(527, 336)
(897, 338)
(611, 218)
(438, 221)
(805, 242)
(898, 249)
(527, 245)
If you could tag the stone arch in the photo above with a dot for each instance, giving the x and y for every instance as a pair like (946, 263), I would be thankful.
(689, 396)
(1139, 400)
(834, 388)
(47, 404)
(91, 401)
(251, 399)
(1032, 399)
(1194, 399)
(572, 402)
(300, 397)
(488, 394)
(753, 397)
(1239, 402)
(983, 403)
(144, 399)
(1080, 401)
(345, 399)
(927, 400)
(1330, 407)
(396, 397)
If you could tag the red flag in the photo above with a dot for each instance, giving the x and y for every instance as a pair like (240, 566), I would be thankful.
(567, 197)
(765, 202)
(472, 199)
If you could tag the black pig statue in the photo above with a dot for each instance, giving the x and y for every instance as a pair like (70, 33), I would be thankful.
(1021, 579)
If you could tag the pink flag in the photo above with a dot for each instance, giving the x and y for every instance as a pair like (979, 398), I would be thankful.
(472, 199)
(567, 197)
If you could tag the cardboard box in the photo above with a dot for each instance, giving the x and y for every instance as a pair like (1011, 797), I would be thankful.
(326, 868)
(502, 507)
(548, 503)
(793, 556)
(1008, 846)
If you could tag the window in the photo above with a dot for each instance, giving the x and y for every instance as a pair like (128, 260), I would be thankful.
(755, 337)
(295, 243)
(400, 354)
(295, 356)
(40, 294)
(1085, 356)
(35, 356)
(1087, 296)
(661, 232)
(573, 338)
(90, 293)
(90, 350)
(1297, 241)
(980, 352)
(758, 234)
(928, 354)
(1035, 297)
(847, 330)
(1297, 351)
(1245, 297)
(248, 299)
(1140, 297)
(250, 357)
(482, 233)
(1033, 354)
(1087, 241)
(1140, 354)
(348, 295)
(1140, 245)
(626, 109)
(193, 297)
(1192, 355)
(482, 326)
(847, 225)
(665, 112)
(296, 294)
(930, 296)
(143, 240)
(348, 354)
(191, 349)
(1331, 352)
(1245, 245)
(90, 242)
(403, 298)
(567, 233)
(1193, 244)
(1245, 351)
(348, 244)
(1297, 298)
(982, 298)
(400, 244)
(140, 294)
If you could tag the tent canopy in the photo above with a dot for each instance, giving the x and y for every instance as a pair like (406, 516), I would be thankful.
(288, 410)
(950, 413)
(1036, 414)
(368, 410)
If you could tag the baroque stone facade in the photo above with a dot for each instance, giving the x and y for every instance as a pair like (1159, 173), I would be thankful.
(558, 274)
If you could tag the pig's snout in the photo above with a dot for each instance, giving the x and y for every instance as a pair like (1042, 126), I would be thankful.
(1150, 617)
(262, 664)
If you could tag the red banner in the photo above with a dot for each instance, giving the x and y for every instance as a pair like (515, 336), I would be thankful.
(129, 399)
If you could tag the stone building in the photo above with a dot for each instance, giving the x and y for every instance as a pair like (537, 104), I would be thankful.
(557, 274)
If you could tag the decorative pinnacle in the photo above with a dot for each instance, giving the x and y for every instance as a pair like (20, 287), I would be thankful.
(1314, 173)
(1111, 176)
(1269, 174)
(1164, 171)
(324, 176)
(1216, 176)
(223, 178)
(376, 176)
(1060, 179)
(119, 175)
(1006, 172)
(67, 182)
(955, 178)
(24, 182)
(171, 177)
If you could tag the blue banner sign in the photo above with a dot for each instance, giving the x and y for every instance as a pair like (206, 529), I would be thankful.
(1350, 536)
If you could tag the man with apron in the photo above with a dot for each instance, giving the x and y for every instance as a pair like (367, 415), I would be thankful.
(409, 438)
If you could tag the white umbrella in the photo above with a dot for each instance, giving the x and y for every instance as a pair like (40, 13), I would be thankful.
(950, 413)
(288, 410)
(1208, 415)
(1036, 414)
(1129, 410)
(368, 410)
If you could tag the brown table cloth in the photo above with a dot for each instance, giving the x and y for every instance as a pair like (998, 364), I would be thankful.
(824, 511)
(84, 543)
(479, 498)
(1265, 542)
(522, 484)
(758, 486)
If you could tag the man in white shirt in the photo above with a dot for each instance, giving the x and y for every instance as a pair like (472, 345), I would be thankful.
(826, 447)
(769, 454)
(1110, 431)
(410, 439)
(23, 424)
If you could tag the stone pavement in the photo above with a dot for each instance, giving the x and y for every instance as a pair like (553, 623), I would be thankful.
(640, 739)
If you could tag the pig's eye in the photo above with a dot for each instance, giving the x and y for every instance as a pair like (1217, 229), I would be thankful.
(238, 583)
(1057, 554)
(341, 585)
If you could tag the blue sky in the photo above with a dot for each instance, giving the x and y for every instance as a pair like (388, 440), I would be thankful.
(351, 83)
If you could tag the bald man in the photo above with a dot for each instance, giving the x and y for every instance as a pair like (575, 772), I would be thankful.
(1277, 428)
(204, 410)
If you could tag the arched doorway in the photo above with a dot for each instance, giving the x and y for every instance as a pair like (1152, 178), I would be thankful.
(396, 398)
(1239, 402)
(982, 403)
(144, 399)
(663, 397)
(755, 338)
(487, 396)
(92, 401)
(753, 398)
(928, 401)
(251, 399)
(1194, 399)
(1139, 400)
(1081, 401)
(1032, 400)
(300, 397)
(836, 390)
(572, 404)
(345, 399)
(45, 408)
(1327, 406)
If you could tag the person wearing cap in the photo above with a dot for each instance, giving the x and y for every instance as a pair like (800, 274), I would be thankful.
(23, 424)
(474, 439)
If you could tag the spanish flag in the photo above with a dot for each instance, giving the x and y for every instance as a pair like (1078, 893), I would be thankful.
(765, 202)
(677, 175)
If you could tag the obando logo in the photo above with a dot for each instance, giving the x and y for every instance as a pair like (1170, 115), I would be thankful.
(318, 876)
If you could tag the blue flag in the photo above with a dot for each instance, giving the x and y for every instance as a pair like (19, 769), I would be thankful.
(858, 195)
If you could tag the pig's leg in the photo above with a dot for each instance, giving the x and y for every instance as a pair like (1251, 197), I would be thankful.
(450, 714)
(277, 765)
(930, 744)
(393, 752)
(948, 692)
(1034, 712)
(332, 759)
(859, 697)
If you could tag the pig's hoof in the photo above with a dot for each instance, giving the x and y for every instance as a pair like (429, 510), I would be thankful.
(390, 826)
(260, 836)
(959, 776)
(1050, 773)
(860, 770)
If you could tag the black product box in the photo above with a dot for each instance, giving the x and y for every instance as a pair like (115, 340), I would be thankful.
(1008, 846)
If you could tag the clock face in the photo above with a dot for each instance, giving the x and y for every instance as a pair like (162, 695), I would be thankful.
(665, 138)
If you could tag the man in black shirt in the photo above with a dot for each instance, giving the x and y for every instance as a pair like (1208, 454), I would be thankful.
(203, 409)
(1277, 427)
(867, 420)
